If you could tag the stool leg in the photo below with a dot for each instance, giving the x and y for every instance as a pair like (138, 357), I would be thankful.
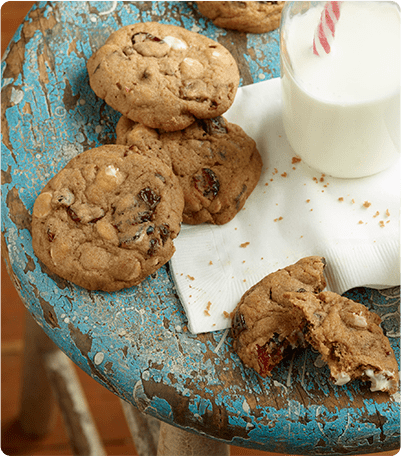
(81, 428)
(47, 369)
(174, 441)
(38, 406)
(144, 429)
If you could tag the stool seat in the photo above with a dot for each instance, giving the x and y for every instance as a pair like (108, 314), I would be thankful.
(135, 342)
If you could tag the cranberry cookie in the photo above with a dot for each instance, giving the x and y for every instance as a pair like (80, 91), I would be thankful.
(164, 76)
(108, 219)
(216, 162)
(252, 17)
(264, 324)
(349, 338)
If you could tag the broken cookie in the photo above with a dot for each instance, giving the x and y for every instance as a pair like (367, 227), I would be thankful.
(264, 324)
(349, 338)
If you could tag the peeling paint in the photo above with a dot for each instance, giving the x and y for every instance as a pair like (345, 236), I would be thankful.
(135, 342)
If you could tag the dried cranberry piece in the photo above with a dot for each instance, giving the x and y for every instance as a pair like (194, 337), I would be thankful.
(149, 197)
(207, 183)
(267, 361)
(237, 199)
(164, 232)
(238, 324)
(145, 216)
(50, 235)
(152, 247)
(127, 241)
(140, 37)
(73, 215)
(215, 126)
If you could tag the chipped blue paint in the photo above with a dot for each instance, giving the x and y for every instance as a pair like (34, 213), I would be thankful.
(135, 342)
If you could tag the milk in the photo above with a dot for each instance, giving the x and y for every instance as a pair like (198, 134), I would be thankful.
(341, 111)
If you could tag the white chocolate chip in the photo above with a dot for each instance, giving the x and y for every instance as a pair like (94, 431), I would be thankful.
(175, 43)
(191, 68)
(59, 250)
(359, 321)
(42, 206)
(342, 378)
(107, 231)
(380, 381)
(93, 257)
(109, 177)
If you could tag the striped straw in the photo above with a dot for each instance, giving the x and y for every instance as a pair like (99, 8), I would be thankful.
(324, 33)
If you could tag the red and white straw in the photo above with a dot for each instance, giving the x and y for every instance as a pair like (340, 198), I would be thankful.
(325, 31)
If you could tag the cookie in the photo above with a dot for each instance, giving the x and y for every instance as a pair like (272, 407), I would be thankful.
(164, 76)
(251, 17)
(216, 162)
(265, 324)
(349, 338)
(142, 140)
(108, 219)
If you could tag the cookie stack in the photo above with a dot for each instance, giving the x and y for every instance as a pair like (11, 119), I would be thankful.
(249, 17)
(108, 219)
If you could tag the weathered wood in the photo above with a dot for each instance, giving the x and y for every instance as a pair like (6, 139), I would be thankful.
(38, 407)
(135, 342)
(49, 379)
(78, 420)
(175, 441)
(144, 430)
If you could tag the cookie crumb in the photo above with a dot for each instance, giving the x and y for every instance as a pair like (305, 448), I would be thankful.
(210, 262)
(387, 213)
(226, 314)
(353, 201)
(381, 223)
(284, 174)
(206, 313)
(377, 213)
(190, 277)
(366, 204)
(341, 199)
(360, 222)
(295, 160)
(245, 244)
(308, 200)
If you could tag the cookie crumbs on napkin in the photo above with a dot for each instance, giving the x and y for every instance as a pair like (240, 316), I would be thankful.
(359, 254)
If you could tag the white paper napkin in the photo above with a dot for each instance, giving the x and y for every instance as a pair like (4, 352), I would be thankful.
(293, 212)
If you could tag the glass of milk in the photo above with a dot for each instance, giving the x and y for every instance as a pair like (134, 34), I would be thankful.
(341, 110)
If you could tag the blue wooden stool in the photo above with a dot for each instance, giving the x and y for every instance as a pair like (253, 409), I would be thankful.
(134, 342)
